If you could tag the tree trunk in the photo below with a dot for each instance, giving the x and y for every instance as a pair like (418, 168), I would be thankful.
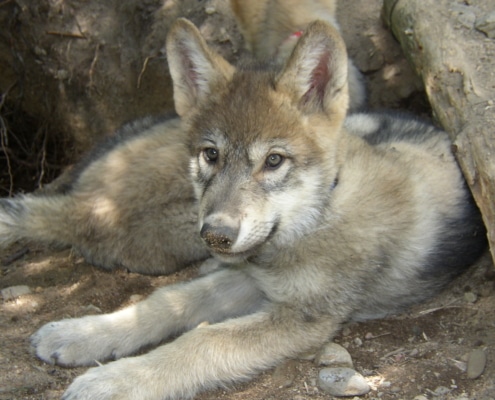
(456, 63)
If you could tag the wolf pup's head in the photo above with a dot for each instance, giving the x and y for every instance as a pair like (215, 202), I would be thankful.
(264, 143)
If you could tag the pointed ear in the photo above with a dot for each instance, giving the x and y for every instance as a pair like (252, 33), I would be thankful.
(315, 75)
(195, 69)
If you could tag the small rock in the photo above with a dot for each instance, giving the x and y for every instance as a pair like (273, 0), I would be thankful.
(342, 382)
(91, 309)
(470, 297)
(210, 10)
(414, 353)
(13, 292)
(486, 24)
(476, 363)
(440, 391)
(420, 397)
(358, 342)
(334, 355)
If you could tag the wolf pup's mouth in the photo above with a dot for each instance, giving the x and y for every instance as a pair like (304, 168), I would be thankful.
(226, 246)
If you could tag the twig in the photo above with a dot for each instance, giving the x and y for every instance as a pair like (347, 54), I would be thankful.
(67, 34)
(93, 65)
(392, 353)
(4, 139)
(145, 64)
(4, 143)
(370, 337)
(448, 305)
(43, 160)
(28, 164)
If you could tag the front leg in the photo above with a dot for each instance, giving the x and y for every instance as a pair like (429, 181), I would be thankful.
(169, 310)
(207, 357)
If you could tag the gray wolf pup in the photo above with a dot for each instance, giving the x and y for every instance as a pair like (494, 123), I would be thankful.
(130, 203)
(314, 220)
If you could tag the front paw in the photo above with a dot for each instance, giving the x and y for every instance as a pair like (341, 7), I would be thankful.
(102, 383)
(125, 379)
(70, 342)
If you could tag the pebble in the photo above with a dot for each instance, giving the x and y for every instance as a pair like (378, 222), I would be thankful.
(91, 309)
(346, 331)
(333, 355)
(13, 292)
(440, 391)
(476, 363)
(210, 10)
(486, 24)
(342, 382)
(470, 297)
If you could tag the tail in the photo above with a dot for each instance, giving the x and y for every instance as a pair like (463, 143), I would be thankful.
(35, 218)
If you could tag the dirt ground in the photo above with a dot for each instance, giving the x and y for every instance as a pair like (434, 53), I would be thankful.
(421, 353)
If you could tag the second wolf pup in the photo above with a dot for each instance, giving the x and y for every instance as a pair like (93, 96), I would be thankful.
(314, 220)
(271, 29)
(129, 203)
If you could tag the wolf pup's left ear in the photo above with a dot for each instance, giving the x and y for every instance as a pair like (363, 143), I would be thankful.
(195, 69)
(315, 75)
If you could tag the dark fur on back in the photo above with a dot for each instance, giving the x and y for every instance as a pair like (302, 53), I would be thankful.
(463, 235)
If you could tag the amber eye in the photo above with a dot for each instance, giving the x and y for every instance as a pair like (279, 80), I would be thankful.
(273, 161)
(210, 154)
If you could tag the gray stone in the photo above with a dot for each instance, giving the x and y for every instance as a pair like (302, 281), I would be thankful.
(333, 355)
(440, 391)
(476, 363)
(470, 297)
(13, 292)
(342, 382)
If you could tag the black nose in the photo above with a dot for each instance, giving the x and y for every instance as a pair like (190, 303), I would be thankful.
(218, 238)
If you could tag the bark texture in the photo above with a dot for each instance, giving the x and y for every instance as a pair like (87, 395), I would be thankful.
(456, 62)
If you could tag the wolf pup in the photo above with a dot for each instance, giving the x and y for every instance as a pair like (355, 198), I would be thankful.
(314, 221)
(271, 28)
(130, 203)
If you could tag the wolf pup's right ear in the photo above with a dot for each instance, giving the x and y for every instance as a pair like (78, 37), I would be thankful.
(315, 75)
(195, 69)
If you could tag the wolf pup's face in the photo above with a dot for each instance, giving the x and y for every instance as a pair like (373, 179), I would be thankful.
(263, 143)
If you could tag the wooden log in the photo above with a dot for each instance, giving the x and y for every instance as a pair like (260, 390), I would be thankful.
(456, 63)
